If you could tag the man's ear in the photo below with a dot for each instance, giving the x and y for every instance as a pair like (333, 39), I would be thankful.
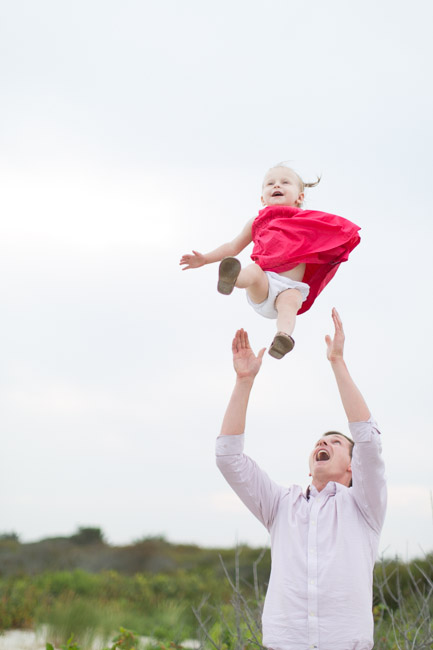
(349, 471)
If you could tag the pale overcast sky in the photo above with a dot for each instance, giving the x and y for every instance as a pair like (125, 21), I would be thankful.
(132, 132)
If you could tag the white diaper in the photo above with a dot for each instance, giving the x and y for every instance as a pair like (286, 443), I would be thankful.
(277, 284)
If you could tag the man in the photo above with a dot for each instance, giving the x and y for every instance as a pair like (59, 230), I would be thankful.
(323, 541)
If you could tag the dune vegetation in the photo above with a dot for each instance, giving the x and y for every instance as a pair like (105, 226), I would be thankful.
(80, 588)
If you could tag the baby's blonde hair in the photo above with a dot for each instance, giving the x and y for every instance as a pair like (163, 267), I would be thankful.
(302, 183)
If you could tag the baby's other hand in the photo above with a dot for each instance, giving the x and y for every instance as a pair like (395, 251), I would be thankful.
(192, 261)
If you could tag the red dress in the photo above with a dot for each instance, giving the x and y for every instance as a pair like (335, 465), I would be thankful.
(285, 236)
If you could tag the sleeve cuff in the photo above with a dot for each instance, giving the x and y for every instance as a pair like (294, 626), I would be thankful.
(363, 431)
(230, 445)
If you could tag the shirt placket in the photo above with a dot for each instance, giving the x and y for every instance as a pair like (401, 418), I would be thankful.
(312, 576)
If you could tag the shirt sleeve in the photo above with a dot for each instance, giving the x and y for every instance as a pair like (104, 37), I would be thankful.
(368, 473)
(253, 486)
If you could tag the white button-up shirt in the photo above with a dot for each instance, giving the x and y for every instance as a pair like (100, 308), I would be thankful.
(323, 547)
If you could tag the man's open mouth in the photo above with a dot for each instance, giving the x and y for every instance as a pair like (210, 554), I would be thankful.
(322, 454)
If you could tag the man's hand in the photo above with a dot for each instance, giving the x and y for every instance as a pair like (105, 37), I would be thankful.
(192, 261)
(335, 345)
(245, 362)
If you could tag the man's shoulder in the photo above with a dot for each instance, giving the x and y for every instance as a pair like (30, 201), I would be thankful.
(293, 492)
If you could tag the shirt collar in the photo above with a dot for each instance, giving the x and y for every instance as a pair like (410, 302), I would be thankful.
(330, 489)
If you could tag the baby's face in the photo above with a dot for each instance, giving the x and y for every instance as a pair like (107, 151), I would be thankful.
(281, 187)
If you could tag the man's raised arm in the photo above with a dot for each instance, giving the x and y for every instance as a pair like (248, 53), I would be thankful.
(353, 402)
(259, 493)
(368, 471)
(246, 365)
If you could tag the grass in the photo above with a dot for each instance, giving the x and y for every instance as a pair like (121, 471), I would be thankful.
(87, 620)
(224, 612)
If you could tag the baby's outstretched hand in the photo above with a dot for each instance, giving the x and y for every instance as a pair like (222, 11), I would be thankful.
(192, 261)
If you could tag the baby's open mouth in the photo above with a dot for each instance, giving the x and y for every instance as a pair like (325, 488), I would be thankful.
(322, 454)
(277, 193)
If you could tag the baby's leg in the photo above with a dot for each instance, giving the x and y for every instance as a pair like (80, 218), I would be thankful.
(287, 305)
(255, 281)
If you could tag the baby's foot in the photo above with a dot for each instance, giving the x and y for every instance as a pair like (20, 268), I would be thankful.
(281, 345)
(229, 270)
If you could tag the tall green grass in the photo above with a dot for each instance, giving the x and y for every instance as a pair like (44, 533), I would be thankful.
(227, 608)
(87, 620)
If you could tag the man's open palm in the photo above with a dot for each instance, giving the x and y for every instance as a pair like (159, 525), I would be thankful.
(336, 345)
(245, 362)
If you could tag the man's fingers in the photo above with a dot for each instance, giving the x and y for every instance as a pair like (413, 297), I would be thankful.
(241, 343)
(336, 318)
(244, 338)
(236, 341)
(240, 340)
(261, 353)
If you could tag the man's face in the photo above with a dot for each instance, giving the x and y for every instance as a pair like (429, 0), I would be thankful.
(281, 187)
(330, 460)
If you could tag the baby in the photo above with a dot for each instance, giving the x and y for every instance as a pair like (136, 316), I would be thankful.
(296, 253)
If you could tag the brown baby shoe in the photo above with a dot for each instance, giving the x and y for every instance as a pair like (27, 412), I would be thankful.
(281, 345)
(229, 270)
